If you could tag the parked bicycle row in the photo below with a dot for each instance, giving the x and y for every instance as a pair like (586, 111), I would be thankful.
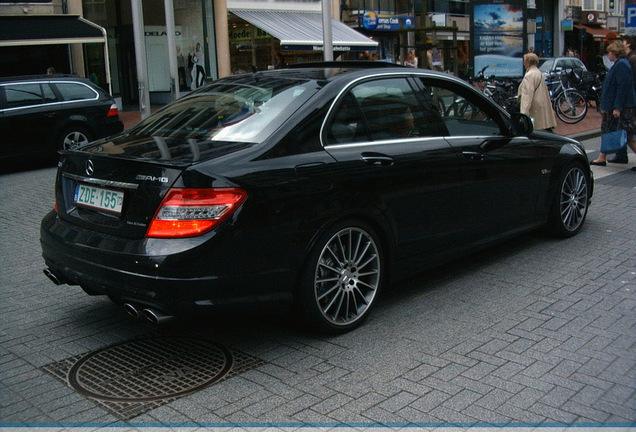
(571, 92)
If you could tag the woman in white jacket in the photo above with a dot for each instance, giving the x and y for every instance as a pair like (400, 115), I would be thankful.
(534, 97)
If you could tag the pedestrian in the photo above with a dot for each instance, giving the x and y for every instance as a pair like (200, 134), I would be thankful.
(280, 61)
(411, 60)
(435, 58)
(621, 155)
(534, 97)
(618, 100)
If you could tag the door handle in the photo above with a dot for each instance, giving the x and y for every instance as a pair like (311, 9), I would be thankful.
(473, 155)
(376, 159)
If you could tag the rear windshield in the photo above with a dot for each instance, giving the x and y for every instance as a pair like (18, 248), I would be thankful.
(239, 110)
(218, 119)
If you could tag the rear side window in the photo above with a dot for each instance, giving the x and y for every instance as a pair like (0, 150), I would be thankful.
(28, 94)
(382, 109)
(76, 91)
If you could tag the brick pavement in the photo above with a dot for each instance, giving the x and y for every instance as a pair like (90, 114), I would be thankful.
(535, 332)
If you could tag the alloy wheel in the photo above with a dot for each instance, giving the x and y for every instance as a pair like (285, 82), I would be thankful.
(574, 199)
(347, 276)
(73, 140)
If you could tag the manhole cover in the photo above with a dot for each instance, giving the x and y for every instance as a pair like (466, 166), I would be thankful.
(150, 369)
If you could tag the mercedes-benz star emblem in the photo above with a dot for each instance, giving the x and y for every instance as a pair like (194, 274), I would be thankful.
(90, 169)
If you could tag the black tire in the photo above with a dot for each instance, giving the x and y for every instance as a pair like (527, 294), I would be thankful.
(571, 201)
(570, 106)
(342, 278)
(73, 137)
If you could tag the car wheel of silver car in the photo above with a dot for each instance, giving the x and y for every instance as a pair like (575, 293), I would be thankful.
(74, 137)
(342, 278)
(570, 204)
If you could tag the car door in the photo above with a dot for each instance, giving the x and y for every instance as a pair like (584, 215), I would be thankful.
(391, 152)
(79, 102)
(500, 172)
(29, 114)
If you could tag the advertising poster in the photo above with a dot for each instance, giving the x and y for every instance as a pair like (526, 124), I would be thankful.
(498, 41)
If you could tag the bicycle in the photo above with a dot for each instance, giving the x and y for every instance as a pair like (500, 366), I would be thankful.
(569, 104)
(502, 91)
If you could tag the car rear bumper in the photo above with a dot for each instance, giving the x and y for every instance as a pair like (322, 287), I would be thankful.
(109, 127)
(174, 283)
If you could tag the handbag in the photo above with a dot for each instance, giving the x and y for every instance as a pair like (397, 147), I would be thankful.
(613, 140)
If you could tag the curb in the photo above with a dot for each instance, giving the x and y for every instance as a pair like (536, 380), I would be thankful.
(586, 135)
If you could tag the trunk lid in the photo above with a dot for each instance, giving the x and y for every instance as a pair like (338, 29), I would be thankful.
(112, 195)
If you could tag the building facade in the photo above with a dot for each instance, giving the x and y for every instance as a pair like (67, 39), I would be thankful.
(237, 36)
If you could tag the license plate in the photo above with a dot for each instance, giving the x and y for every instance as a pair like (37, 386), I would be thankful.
(99, 198)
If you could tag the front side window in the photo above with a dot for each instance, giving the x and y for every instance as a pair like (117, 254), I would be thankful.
(27, 94)
(463, 112)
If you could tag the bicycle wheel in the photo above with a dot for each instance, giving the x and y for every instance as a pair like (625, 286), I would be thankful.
(570, 106)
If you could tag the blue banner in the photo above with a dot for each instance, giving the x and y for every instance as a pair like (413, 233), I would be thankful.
(373, 21)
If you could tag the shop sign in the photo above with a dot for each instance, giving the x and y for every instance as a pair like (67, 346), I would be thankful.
(567, 25)
(574, 12)
(601, 18)
(371, 20)
(244, 34)
(336, 48)
(591, 17)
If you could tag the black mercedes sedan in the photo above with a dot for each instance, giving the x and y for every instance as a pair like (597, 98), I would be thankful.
(310, 188)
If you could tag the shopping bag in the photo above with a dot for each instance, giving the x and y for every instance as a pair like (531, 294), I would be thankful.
(613, 141)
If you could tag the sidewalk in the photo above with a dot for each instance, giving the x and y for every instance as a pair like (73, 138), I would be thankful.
(587, 128)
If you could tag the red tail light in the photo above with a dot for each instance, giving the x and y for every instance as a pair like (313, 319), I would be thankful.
(113, 111)
(191, 212)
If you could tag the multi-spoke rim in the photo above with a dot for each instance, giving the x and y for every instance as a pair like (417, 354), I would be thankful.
(573, 199)
(347, 276)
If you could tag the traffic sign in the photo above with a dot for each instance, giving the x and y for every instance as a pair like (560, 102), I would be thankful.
(630, 18)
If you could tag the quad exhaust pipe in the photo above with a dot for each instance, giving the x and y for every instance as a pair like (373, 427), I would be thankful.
(131, 310)
(150, 314)
(156, 317)
(57, 280)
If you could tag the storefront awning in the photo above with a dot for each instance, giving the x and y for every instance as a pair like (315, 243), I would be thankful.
(596, 32)
(18, 30)
(302, 31)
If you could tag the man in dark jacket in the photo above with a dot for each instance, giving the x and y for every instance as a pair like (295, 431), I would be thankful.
(621, 155)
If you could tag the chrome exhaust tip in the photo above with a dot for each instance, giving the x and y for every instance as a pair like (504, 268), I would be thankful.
(156, 317)
(131, 310)
(49, 274)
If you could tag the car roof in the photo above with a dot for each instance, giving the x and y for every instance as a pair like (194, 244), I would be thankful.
(544, 59)
(334, 70)
(56, 77)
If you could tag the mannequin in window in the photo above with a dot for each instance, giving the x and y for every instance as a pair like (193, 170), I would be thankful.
(198, 70)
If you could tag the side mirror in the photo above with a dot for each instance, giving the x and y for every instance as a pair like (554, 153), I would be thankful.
(521, 124)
